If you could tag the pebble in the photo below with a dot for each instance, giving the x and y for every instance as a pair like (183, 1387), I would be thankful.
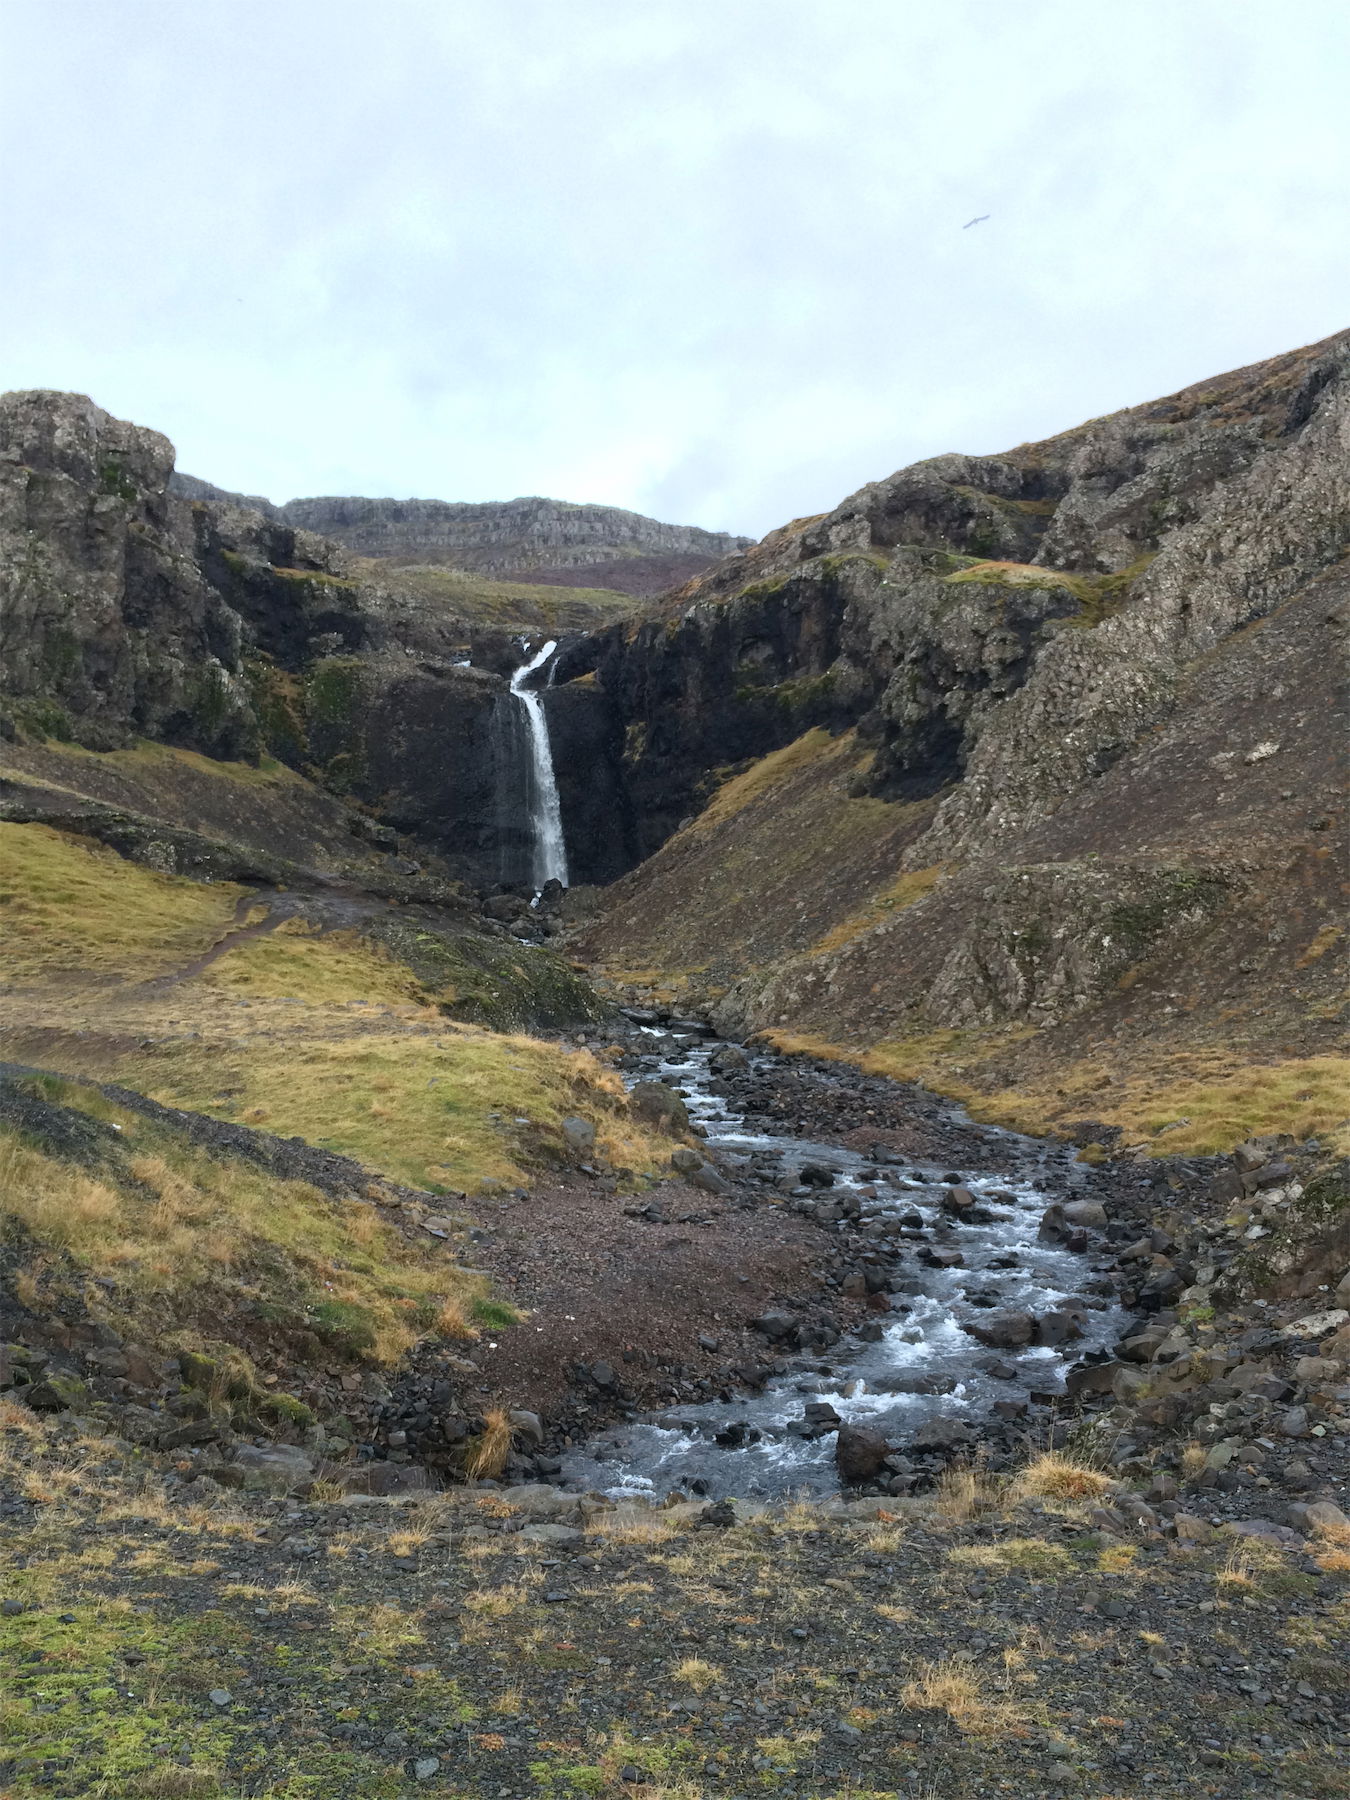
(220, 1696)
(425, 1767)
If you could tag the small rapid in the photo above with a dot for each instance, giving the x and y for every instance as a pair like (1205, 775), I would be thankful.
(549, 849)
(910, 1366)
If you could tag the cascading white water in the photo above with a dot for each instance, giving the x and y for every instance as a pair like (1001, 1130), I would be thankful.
(549, 856)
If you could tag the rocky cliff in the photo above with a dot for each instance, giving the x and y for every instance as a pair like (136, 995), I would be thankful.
(1075, 738)
(136, 605)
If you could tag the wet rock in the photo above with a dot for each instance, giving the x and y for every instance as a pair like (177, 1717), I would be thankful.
(815, 1175)
(942, 1434)
(860, 1454)
(1003, 1331)
(958, 1201)
(1060, 1326)
(729, 1059)
(1090, 1378)
(656, 1104)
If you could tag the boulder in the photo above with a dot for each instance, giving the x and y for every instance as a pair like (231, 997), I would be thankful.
(860, 1454)
(276, 1468)
(706, 1177)
(56, 1393)
(564, 1537)
(957, 1201)
(579, 1133)
(777, 1327)
(1003, 1331)
(729, 1059)
(1317, 1515)
(1088, 1213)
(526, 1426)
(656, 1104)
(942, 1434)
(684, 1160)
(1060, 1325)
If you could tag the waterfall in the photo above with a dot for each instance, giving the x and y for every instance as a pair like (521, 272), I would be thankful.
(549, 852)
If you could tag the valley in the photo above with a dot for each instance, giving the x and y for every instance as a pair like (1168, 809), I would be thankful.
(635, 1162)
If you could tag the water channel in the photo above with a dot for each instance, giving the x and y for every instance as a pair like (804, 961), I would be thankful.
(923, 1365)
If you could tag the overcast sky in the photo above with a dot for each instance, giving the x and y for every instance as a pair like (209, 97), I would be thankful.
(703, 258)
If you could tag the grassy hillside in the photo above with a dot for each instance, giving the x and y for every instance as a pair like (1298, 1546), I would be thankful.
(176, 989)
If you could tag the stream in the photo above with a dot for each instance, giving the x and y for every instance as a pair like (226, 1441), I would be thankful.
(922, 1367)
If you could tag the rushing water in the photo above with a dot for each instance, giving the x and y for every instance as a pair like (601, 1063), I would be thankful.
(922, 1347)
(549, 857)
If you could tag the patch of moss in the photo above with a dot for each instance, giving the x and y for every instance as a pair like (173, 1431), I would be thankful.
(333, 690)
(278, 706)
(1136, 925)
(113, 479)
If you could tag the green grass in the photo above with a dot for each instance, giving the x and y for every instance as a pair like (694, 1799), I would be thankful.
(68, 904)
(173, 1226)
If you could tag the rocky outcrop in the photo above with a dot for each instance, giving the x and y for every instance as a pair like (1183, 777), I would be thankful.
(108, 625)
(1001, 626)
(1084, 701)
(135, 604)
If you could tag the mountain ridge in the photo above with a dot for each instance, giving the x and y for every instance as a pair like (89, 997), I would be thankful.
(507, 538)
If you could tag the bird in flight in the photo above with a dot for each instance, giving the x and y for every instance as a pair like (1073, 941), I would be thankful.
(979, 221)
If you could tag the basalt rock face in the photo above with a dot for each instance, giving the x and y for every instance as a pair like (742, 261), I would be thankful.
(1084, 701)
(499, 537)
(1001, 626)
(135, 604)
(108, 626)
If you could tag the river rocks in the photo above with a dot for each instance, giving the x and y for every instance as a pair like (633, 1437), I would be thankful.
(860, 1454)
(958, 1201)
(659, 1106)
(1003, 1331)
(942, 1434)
(709, 1179)
(1060, 1325)
(656, 1104)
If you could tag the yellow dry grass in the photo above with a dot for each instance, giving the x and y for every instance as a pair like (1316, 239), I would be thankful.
(1187, 1103)
(488, 1452)
(904, 891)
(954, 1688)
(965, 1491)
(1054, 1476)
(1192, 1103)
(697, 1674)
(769, 772)
(633, 1525)
(67, 904)
(298, 961)
(174, 1225)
